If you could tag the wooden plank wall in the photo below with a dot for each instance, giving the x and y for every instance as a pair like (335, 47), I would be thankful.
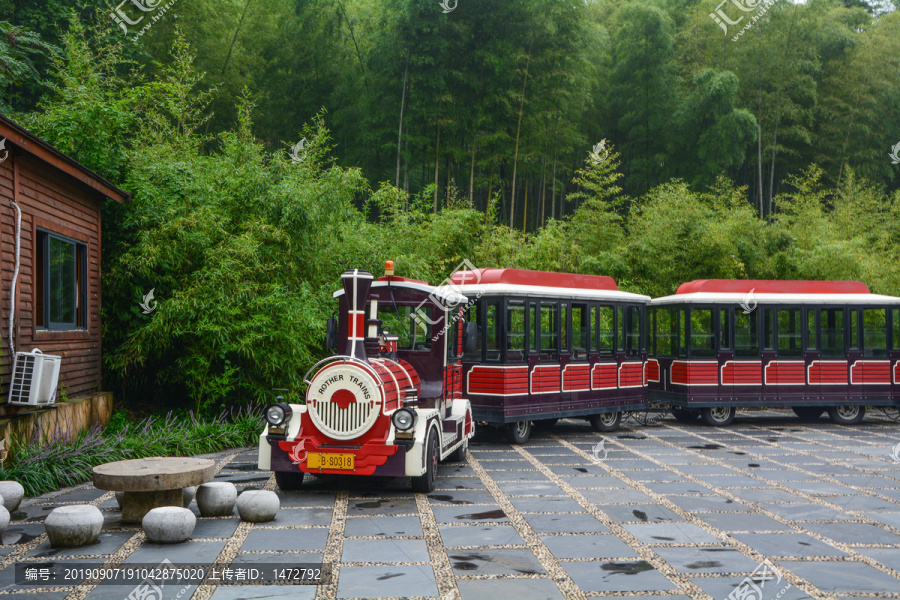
(55, 202)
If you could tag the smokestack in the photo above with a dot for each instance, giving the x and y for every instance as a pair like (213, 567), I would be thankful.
(356, 291)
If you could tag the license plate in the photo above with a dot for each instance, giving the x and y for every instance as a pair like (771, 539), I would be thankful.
(330, 460)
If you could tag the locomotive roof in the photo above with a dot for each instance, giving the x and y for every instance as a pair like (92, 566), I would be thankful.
(449, 294)
(770, 291)
(521, 282)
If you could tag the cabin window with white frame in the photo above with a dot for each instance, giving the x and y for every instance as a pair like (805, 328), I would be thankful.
(632, 331)
(666, 323)
(875, 332)
(60, 282)
(515, 331)
(411, 324)
(746, 336)
(831, 332)
(724, 329)
(581, 333)
(606, 336)
(549, 328)
(768, 328)
(854, 329)
(703, 335)
(895, 328)
(564, 328)
(790, 342)
(811, 329)
(472, 313)
(492, 331)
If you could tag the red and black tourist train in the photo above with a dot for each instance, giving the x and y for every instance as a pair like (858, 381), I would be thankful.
(417, 365)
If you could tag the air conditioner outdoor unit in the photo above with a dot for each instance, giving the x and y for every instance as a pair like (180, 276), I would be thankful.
(34, 378)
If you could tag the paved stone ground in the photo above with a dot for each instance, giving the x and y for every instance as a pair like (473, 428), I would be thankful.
(673, 511)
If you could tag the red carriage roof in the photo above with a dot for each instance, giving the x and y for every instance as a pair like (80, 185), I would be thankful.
(534, 278)
(771, 286)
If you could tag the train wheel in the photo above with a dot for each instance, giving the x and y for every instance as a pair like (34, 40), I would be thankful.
(426, 483)
(289, 481)
(545, 424)
(518, 432)
(718, 416)
(685, 415)
(808, 414)
(847, 415)
(606, 421)
(459, 455)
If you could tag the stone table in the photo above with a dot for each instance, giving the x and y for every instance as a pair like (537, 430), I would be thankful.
(152, 482)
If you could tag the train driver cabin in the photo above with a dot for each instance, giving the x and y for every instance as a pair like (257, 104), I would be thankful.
(552, 345)
(813, 346)
(57, 292)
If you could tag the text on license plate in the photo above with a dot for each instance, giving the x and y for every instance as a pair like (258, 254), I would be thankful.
(329, 460)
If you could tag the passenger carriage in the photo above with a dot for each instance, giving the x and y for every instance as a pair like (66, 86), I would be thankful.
(813, 346)
(390, 402)
(549, 346)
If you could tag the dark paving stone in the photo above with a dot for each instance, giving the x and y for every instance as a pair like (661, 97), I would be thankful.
(215, 528)
(493, 589)
(785, 475)
(499, 465)
(530, 488)
(461, 498)
(118, 592)
(188, 553)
(385, 551)
(305, 499)
(489, 535)
(751, 522)
(83, 496)
(855, 533)
(617, 496)
(707, 560)
(553, 504)
(818, 488)
(595, 545)
(807, 512)
(787, 544)
(767, 495)
(265, 592)
(457, 470)
(287, 517)
(277, 540)
(859, 502)
(500, 476)
(578, 523)
(504, 561)
(19, 533)
(886, 556)
(576, 470)
(681, 488)
(618, 577)
(645, 513)
(459, 483)
(593, 482)
(694, 469)
(722, 587)
(272, 560)
(845, 577)
(708, 503)
(107, 543)
(733, 481)
(383, 526)
(655, 476)
(671, 533)
(632, 465)
(8, 580)
(469, 514)
(892, 519)
(376, 582)
(43, 596)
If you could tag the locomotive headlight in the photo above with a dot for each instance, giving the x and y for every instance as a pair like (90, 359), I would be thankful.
(404, 419)
(278, 414)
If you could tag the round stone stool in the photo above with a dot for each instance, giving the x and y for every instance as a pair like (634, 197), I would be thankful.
(12, 492)
(74, 525)
(187, 495)
(4, 519)
(216, 499)
(257, 506)
(168, 524)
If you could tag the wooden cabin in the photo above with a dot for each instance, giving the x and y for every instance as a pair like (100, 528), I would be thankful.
(57, 294)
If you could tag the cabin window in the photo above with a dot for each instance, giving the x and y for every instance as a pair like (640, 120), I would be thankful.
(472, 317)
(666, 330)
(581, 333)
(875, 332)
(533, 324)
(895, 327)
(682, 332)
(492, 331)
(515, 331)
(854, 329)
(549, 332)
(790, 338)
(564, 328)
(61, 282)
(606, 332)
(724, 329)
(768, 328)
(811, 329)
(746, 337)
(411, 325)
(831, 331)
(703, 336)
(620, 327)
(632, 330)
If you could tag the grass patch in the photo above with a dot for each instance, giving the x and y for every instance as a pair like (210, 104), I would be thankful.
(60, 463)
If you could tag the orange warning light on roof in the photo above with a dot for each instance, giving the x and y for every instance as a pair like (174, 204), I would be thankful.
(388, 268)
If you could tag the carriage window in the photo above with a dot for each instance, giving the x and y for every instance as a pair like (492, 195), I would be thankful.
(620, 327)
(411, 325)
(632, 330)
(854, 329)
(703, 338)
(682, 332)
(515, 331)
(549, 331)
(746, 337)
(666, 330)
(875, 332)
(606, 338)
(472, 317)
(895, 314)
(768, 327)
(724, 329)
(789, 336)
(564, 328)
(533, 324)
(811, 329)
(581, 336)
(831, 331)
(492, 331)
